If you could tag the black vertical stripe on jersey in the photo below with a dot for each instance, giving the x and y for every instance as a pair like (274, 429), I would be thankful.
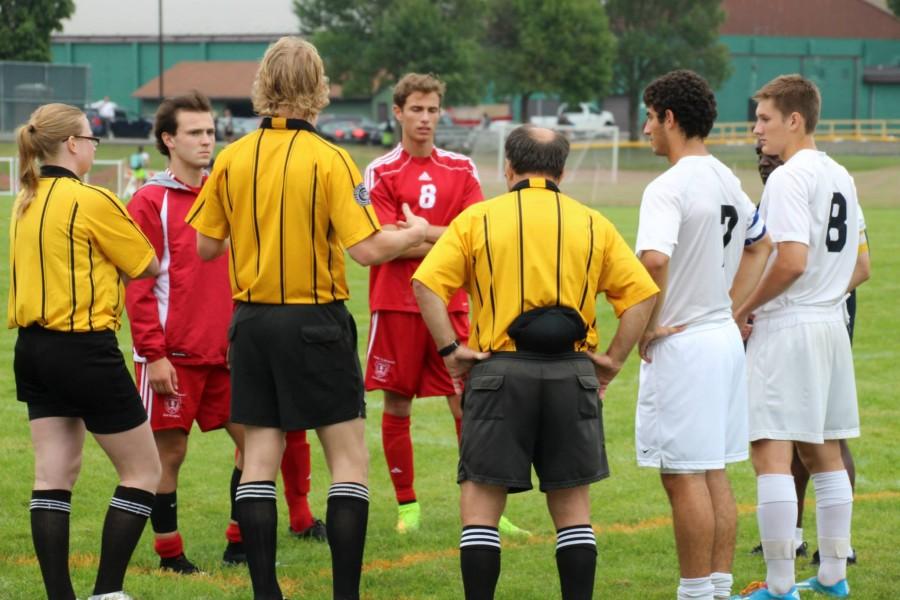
(587, 270)
(231, 251)
(558, 246)
(480, 302)
(91, 279)
(227, 193)
(521, 255)
(312, 233)
(72, 264)
(487, 247)
(287, 159)
(253, 196)
(118, 206)
(12, 260)
(328, 237)
(41, 251)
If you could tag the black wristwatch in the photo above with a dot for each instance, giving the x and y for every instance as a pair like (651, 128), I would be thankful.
(449, 348)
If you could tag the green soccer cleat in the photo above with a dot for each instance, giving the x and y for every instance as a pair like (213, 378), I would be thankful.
(408, 517)
(506, 527)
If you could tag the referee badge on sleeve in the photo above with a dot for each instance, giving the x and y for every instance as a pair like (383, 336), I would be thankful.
(361, 195)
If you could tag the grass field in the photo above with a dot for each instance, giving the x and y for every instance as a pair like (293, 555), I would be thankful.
(630, 513)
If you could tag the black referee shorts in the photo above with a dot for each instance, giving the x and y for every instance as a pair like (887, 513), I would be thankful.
(82, 375)
(522, 408)
(294, 366)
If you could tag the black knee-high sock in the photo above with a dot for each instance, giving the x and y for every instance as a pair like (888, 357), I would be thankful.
(50, 533)
(164, 518)
(479, 560)
(235, 481)
(258, 518)
(125, 519)
(576, 560)
(346, 522)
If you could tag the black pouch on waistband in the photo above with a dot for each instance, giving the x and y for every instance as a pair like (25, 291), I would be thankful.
(548, 330)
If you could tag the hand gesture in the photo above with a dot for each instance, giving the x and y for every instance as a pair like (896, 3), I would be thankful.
(606, 369)
(650, 336)
(461, 360)
(163, 377)
(414, 223)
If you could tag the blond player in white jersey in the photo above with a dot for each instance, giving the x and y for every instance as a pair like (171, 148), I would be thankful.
(699, 233)
(802, 387)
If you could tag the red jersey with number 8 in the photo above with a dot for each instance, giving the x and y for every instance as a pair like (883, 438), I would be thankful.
(437, 187)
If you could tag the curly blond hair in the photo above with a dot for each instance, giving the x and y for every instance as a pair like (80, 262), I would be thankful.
(291, 80)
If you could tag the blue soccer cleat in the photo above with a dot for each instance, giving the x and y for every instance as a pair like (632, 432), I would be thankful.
(839, 590)
(758, 591)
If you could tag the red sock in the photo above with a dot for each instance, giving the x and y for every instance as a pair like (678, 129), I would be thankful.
(233, 533)
(458, 430)
(398, 453)
(295, 471)
(169, 546)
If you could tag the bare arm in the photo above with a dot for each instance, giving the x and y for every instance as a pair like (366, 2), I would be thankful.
(209, 248)
(861, 272)
(632, 325)
(788, 266)
(418, 251)
(657, 265)
(434, 312)
(750, 270)
(386, 245)
(152, 270)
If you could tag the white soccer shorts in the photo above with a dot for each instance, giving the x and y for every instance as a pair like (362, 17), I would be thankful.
(692, 401)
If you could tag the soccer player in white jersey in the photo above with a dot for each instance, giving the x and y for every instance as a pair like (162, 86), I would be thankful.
(802, 387)
(698, 234)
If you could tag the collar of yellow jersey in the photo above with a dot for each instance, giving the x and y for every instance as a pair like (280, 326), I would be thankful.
(57, 171)
(282, 123)
(535, 182)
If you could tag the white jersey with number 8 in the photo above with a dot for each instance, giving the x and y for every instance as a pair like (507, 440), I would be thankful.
(811, 199)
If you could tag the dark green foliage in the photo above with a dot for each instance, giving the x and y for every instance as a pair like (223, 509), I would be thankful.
(25, 27)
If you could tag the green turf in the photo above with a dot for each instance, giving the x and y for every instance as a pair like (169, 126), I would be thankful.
(636, 560)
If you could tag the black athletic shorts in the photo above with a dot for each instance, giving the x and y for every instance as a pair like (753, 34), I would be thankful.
(294, 366)
(522, 408)
(83, 375)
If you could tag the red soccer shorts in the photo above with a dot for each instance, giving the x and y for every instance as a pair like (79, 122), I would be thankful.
(204, 395)
(403, 358)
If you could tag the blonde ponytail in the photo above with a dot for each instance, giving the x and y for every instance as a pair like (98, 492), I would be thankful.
(39, 141)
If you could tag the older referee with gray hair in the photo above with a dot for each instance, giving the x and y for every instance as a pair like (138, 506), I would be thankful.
(533, 261)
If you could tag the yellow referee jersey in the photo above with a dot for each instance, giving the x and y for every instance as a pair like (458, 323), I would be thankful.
(64, 253)
(291, 202)
(533, 247)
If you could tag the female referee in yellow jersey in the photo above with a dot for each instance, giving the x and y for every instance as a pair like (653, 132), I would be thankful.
(71, 245)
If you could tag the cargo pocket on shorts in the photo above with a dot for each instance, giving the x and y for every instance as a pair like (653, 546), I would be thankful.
(484, 398)
(324, 348)
(588, 397)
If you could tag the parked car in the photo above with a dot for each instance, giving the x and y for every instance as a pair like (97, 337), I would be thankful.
(350, 129)
(240, 126)
(122, 125)
(584, 116)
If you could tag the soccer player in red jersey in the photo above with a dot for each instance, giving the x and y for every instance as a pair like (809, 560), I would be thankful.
(402, 359)
(179, 324)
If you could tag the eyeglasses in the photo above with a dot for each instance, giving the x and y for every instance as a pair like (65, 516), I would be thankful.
(95, 141)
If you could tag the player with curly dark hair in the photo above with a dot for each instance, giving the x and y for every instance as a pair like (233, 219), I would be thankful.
(688, 97)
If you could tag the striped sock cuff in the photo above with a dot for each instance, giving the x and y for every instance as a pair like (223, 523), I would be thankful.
(133, 500)
(480, 536)
(58, 500)
(349, 490)
(255, 491)
(576, 535)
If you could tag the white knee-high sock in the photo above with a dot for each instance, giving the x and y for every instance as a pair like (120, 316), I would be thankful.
(834, 508)
(776, 513)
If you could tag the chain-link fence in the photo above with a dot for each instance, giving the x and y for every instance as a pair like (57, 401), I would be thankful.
(25, 86)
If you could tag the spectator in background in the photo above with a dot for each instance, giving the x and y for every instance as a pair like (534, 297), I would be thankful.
(106, 109)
